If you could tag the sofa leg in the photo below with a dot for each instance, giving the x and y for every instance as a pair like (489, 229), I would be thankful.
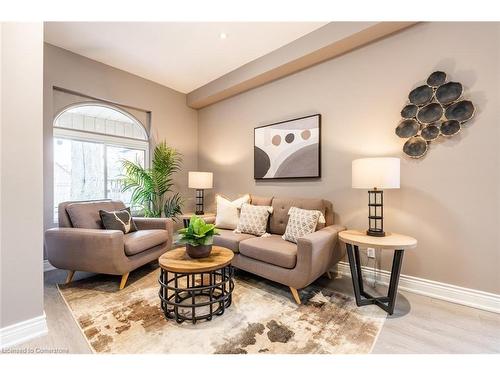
(69, 277)
(295, 295)
(124, 280)
(329, 275)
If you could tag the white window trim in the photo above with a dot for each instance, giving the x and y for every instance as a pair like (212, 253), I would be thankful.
(100, 104)
(112, 140)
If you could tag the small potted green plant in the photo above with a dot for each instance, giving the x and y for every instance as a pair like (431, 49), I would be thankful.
(198, 237)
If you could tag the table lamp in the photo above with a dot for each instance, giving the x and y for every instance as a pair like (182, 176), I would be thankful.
(200, 181)
(375, 174)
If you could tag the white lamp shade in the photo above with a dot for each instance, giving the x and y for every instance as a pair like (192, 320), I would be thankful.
(200, 180)
(380, 173)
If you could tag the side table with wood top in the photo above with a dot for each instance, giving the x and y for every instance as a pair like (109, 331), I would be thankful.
(391, 241)
(195, 289)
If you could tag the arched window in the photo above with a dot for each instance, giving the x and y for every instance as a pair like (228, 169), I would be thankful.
(90, 140)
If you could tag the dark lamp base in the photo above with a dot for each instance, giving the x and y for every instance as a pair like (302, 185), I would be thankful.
(199, 202)
(375, 233)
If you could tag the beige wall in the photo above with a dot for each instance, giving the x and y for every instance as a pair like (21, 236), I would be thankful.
(448, 200)
(21, 185)
(171, 119)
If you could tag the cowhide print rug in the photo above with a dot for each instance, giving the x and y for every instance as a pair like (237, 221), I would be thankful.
(263, 318)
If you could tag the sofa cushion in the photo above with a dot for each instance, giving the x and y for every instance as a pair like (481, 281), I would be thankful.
(142, 240)
(227, 238)
(86, 214)
(228, 212)
(281, 206)
(273, 249)
(260, 201)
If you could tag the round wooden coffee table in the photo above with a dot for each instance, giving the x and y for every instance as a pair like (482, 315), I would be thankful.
(195, 289)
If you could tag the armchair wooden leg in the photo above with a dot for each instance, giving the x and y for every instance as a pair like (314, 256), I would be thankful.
(70, 276)
(329, 275)
(295, 295)
(124, 280)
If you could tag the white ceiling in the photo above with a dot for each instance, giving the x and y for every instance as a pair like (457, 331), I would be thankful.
(180, 55)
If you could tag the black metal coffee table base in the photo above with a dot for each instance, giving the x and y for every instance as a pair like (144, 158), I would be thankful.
(363, 298)
(196, 296)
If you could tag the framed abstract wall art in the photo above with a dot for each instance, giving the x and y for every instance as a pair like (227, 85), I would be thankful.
(288, 149)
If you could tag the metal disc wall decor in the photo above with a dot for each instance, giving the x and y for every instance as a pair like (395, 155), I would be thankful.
(434, 109)
(460, 111)
(430, 113)
(415, 147)
(409, 111)
(430, 132)
(436, 79)
(449, 92)
(407, 128)
(421, 95)
(450, 127)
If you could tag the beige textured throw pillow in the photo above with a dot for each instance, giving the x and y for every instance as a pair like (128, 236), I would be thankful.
(253, 219)
(228, 215)
(301, 223)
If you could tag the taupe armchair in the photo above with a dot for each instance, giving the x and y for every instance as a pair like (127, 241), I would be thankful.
(81, 244)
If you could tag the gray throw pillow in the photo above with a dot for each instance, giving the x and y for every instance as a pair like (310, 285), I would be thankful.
(118, 220)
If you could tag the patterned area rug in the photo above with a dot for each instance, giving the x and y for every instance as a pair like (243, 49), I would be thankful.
(262, 319)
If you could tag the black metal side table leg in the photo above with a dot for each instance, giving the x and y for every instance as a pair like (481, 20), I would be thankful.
(356, 276)
(394, 281)
(363, 298)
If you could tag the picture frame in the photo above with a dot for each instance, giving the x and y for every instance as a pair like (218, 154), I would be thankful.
(289, 149)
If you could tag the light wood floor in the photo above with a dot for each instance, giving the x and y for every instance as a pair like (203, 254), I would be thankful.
(419, 324)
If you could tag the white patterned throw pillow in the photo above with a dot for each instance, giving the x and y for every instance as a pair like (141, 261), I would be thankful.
(301, 222)
(228, 212)
(253, 219)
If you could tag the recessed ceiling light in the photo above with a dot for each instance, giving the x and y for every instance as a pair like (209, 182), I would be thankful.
(223, 35)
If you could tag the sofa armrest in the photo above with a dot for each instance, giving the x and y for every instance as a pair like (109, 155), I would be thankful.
(321, 239)
(92, 250)
(317, 252)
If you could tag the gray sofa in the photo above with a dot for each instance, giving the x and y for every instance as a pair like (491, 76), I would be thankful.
(80, 243)
(294, 265)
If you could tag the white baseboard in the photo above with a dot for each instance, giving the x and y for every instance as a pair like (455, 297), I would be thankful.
(47, 266)
(23, 331)
(446, 292)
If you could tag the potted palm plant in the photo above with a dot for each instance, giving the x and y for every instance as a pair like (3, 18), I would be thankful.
(198, 237)
(152, 187)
